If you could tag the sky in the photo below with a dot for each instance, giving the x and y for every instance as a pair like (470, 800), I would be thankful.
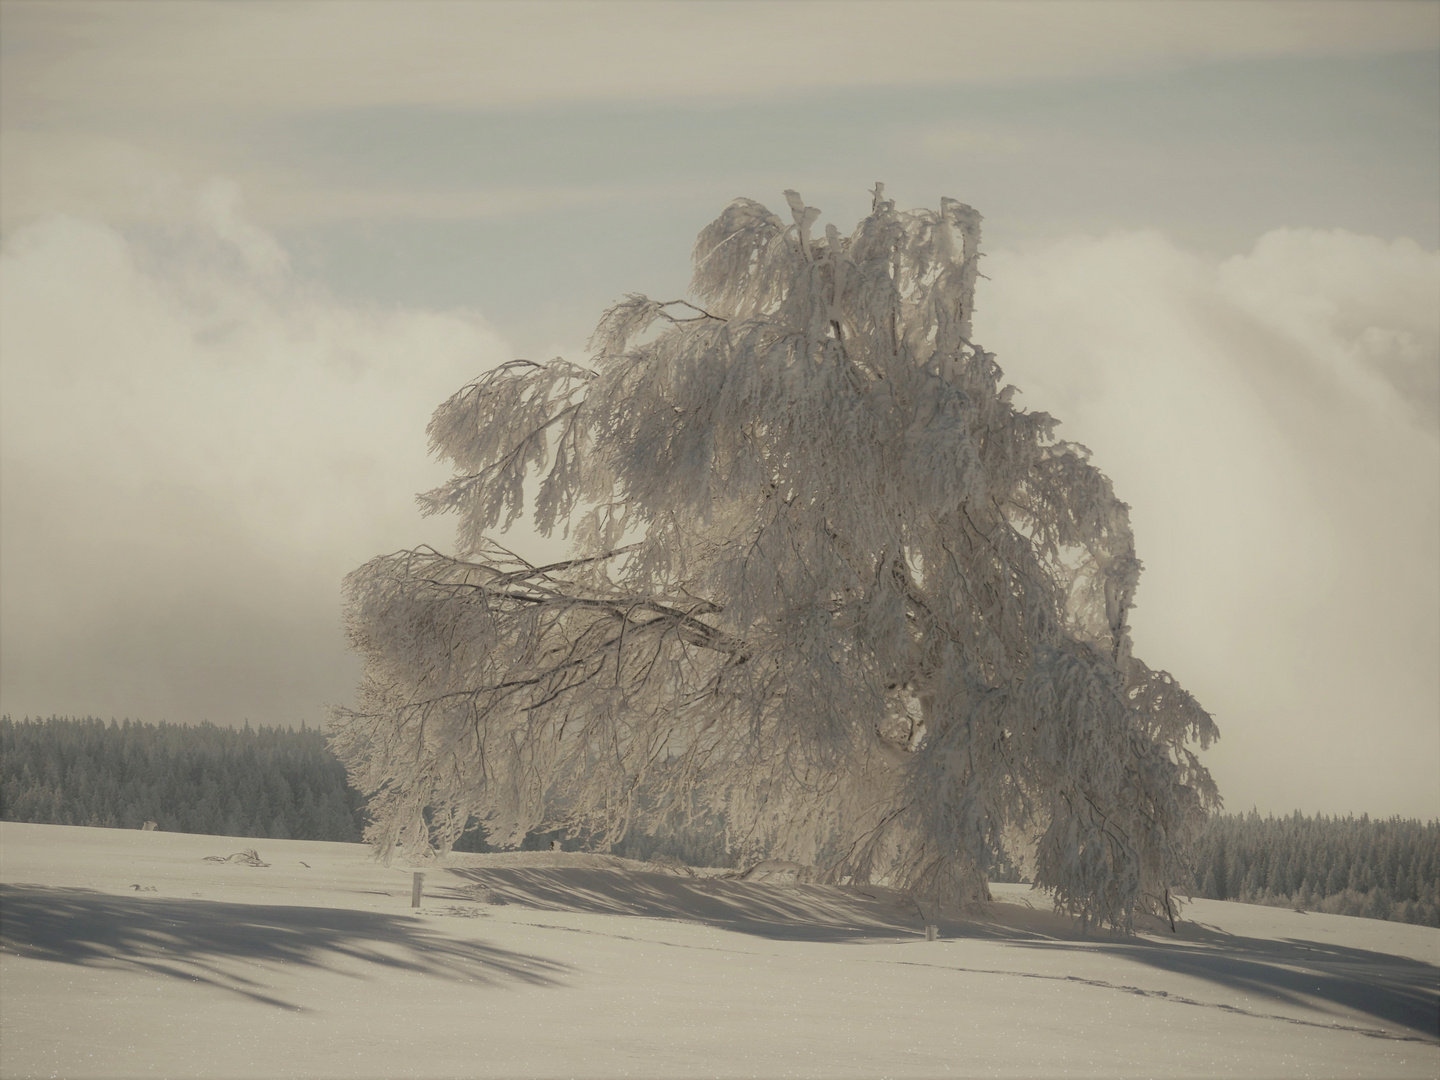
(246, 249)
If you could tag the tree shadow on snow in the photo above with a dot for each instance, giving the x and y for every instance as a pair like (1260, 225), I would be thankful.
(1308, 974)
(787, 912)
(1311, 976)
(215, 943)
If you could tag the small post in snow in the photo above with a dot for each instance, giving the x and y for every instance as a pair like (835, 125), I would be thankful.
(932, 932)
(416, 885)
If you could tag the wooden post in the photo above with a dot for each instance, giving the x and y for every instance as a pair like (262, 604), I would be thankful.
(416, 885)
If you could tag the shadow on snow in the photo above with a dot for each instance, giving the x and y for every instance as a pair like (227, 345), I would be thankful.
(194, 939)
(1393, 989)
(1309, 975)
(783, 912)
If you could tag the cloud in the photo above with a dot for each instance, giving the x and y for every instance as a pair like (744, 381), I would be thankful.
(964, 142)
(112, 57)
(198, 443)
(113, 179)
(1272, 420)
(1363, 311)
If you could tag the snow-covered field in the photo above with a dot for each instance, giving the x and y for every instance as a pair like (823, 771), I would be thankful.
(130, 954)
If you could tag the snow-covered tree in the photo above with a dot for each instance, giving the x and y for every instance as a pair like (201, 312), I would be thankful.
(827, 578)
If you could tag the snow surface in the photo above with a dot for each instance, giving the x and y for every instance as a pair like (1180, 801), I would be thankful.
(128, 954)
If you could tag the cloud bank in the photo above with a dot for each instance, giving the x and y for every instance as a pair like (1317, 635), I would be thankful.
(91, 91)
(198, 443)
(110, 57)
(1272, 419)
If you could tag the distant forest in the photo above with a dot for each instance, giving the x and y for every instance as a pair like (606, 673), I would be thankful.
(280, 783)
(1386, 869)
(251, 781)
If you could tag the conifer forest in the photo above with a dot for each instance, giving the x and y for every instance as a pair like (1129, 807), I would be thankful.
(252, 781)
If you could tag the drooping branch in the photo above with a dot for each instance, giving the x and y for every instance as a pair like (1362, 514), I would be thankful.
(827, 577)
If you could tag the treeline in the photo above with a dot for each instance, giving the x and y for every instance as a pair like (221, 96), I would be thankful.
(253, 781)
(279, 783)
(1344, 866)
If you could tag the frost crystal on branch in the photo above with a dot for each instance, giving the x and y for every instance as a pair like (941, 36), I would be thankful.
(828, 583)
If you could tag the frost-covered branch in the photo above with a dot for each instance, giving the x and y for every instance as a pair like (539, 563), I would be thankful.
(827, 579)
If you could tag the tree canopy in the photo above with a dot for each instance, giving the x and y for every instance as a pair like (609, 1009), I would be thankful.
(827, 581)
